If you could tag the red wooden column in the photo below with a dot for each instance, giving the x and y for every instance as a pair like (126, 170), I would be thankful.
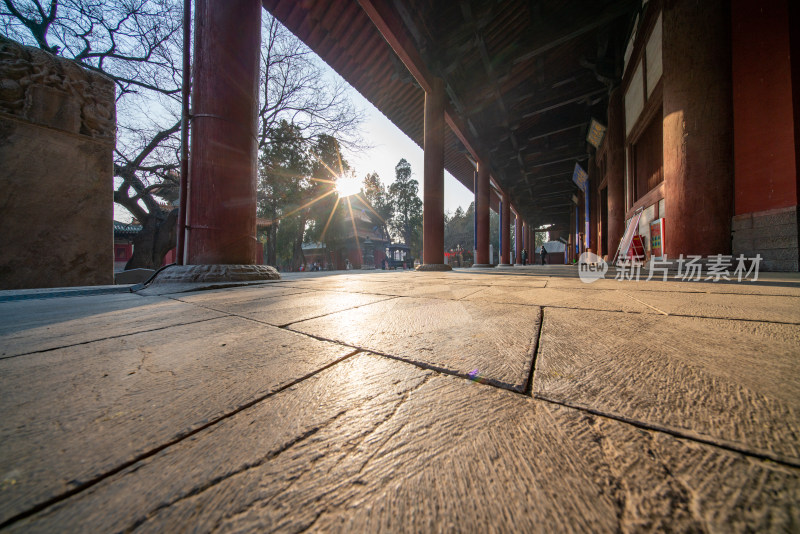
(482, 214)
(592, 238)
(615, 170)
(529, 242)
(222, 196)
(525, 243)
(433, 182)
(505, 253)
(698, 127)
(518, 241)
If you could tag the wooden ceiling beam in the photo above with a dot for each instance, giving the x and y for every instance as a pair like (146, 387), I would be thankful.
(588, 23)
(558, 174)
(560, 103)
(538, 158)
(392, 31)
(540, 134)
(575, 158)
(466, 10)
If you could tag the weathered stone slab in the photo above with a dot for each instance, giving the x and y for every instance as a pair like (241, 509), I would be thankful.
(283, 310)
(731, 382)
(588, 300)
(768, 284)
(323, 277)
(348, 282)
(724, 306)
(232, 295)
(43, 324)
(374, 445)
(72, 415)
(527, 282)
(429, 289)
(501, 280)
(406, 279)
(331, 283)
(486, 341)
(173, 288)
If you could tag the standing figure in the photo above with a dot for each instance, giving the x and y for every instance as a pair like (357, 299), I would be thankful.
(544, 255)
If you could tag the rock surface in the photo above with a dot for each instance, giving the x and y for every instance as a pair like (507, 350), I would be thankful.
(57, 127)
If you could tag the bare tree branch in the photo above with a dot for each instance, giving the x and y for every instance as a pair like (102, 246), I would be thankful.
(137, 43)
(295, 88)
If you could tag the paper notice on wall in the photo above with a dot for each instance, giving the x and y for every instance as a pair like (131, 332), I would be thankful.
(657, 238)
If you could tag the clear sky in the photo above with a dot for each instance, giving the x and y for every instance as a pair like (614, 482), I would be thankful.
(390, 144)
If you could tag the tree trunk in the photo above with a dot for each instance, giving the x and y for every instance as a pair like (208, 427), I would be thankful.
(272, 235)
(298, 258)
(272, 240)
(157, 237)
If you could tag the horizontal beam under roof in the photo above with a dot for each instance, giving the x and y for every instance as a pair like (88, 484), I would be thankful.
(389, 28)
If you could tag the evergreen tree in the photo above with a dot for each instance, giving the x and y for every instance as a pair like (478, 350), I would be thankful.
(283, 185)
(404, 194)
(376, 195)
(459, 229)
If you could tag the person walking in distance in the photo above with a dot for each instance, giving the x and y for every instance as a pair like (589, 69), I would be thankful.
(544, 255)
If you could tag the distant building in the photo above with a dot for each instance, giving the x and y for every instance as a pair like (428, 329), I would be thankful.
(555, 252)
(352, 245)
(123, 243)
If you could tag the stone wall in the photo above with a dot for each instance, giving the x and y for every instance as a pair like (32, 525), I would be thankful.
(57, 127)
(771, 233)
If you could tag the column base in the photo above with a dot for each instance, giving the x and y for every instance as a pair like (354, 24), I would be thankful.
(188, 274)
(504, 265)
(434, 267)
(482, 266)
(518, 265)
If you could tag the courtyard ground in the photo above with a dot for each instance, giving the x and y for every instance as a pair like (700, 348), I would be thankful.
(509, 399)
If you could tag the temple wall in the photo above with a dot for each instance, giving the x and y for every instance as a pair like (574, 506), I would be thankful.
(765, 134)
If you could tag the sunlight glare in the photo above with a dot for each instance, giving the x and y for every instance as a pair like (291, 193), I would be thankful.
(347, 186)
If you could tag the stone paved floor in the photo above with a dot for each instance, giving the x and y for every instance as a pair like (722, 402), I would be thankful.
(519, 399)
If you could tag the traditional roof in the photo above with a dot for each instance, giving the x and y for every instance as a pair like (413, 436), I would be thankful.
(523, 79)
(126, 230)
